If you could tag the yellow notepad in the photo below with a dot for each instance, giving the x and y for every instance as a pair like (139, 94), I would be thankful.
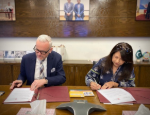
(80, 93)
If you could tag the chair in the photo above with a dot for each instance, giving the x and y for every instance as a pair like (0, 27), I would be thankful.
(94, 62)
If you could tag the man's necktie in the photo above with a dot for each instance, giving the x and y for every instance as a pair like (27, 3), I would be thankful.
(42, 70)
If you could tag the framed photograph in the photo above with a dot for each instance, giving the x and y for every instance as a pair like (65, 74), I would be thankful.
(146, 56)
(19, 54)
(7, 10)
(143, 10)
(29, 51)
(1, 54)
(74, 10)
(9, 54)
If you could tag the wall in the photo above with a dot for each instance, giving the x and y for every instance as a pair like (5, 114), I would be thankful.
(111, 21)
(79, 49)
(108, 18)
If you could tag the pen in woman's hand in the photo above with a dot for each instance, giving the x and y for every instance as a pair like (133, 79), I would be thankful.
(97, 84)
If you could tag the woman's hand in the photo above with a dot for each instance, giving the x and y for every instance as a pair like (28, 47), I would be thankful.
(94, 86)
(109, 85)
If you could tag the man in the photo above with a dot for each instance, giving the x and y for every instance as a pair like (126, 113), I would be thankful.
(41, 68)
(8, 8)
(68, 9)
(79, 10)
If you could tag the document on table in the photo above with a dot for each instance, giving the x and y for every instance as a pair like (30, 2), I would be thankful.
(20, 95)
(117, 95)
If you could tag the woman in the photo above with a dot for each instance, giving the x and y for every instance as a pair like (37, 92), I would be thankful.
(148, 11)
(114, 70)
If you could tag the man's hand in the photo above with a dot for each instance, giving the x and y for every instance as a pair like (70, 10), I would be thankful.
(38, 83)
(68, 14)
(94, 86)
(108, 85)
(78, 15)
(16, 83)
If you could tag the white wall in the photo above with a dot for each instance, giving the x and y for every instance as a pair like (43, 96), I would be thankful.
(79, 48)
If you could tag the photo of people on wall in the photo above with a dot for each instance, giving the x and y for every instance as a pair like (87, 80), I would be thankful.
(143, 10)
(7, 10)
(74, 10)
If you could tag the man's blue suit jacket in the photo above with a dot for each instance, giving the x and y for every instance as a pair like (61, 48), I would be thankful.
(70, 10)
(54, 76)
(81, 10)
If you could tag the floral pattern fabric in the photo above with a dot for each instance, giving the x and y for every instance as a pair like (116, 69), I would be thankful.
(96, 75)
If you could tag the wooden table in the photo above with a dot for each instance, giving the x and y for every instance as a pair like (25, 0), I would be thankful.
(12, 109)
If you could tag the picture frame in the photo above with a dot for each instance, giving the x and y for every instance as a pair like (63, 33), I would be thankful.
(74, 10)
(146, 56)
(1, 54)
(143, 10)
(7, 10)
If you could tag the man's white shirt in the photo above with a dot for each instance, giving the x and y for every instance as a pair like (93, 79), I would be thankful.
(37, 68)
(7, 7)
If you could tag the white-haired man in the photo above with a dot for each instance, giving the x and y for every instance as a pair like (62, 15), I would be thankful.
(41, 68)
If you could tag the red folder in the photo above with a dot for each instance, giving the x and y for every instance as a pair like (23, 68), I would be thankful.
(53, 94)
(141, 95)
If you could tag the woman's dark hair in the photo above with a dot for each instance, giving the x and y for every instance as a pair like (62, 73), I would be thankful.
(126, 54)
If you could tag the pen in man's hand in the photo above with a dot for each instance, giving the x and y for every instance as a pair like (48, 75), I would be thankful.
(38, 96)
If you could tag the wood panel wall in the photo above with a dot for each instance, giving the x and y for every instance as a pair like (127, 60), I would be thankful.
(108, 18)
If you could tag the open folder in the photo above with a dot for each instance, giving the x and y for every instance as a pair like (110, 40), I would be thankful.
(141, 95)
(51, 94)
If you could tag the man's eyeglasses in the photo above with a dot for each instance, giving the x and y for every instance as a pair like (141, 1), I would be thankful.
(42, 52)
(128, 50)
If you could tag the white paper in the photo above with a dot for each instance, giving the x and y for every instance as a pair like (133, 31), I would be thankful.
(20, 95)
(143, 110)
(38, 107)
(116, 95)
(119, 103)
